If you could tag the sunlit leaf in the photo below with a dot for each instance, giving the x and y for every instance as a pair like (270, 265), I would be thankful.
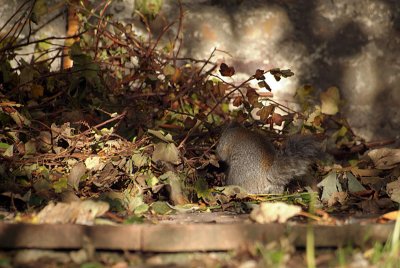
(274, 212)
(166, 152)
(330, 100)
(141, 209)
(161, 135)
(60, 185)
(93, 162)
(140, 160)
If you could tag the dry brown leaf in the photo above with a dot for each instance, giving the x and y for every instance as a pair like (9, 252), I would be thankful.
(365, 172)
(226, 70)
(337, 197)
(274, 212)
(167, 152)
(393, 190)
(81, 212)
(385, 158)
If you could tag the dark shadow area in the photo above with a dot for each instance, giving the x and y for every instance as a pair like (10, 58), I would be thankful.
(346, 40)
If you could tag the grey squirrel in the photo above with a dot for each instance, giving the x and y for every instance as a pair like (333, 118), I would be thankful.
(254, 163)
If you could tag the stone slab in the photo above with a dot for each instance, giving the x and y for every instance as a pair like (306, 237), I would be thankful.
(188, 237)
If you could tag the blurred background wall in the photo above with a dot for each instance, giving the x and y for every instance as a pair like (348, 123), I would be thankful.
(351, 44)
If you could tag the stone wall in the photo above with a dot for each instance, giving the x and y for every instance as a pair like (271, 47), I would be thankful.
(351, 44)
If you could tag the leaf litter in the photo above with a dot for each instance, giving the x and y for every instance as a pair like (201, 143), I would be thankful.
(138, 132)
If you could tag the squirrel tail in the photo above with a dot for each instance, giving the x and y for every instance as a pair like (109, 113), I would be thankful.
(295, 158)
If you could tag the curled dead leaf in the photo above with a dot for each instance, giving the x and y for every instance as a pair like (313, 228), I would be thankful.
(385, 158)
(274, 212)
(226, 70)
(167, 152)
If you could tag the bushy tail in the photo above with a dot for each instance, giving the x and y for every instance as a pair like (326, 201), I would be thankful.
(295, 158)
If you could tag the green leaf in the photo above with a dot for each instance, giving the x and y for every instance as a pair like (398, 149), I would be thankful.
(60, 185)
(132, 200)
(39, 10)
(161, 208)
(134, 219)
(353, 184)
(9, 152)
(141, 209)
(151, 180)
(4, 145)
(149, 7)
(30, 148)
(202, 189)
(169, 70)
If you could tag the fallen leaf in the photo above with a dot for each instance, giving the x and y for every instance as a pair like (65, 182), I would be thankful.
(330, 185)
(274, 212)
(353, 184)
(385, 158)
(167, 152)
(392, 216)
(201, 188)
(74, 177)
(9, 152)
(140, 160)
(365, 172)
(337, 197)
(393, 190)
(161, 135)
(160, 207)
(93, 163)
(176, 194)
(233, 191)
(185, 208)
(80, 212)
(141, 209)
(60, 185)
(130, 199)
(330, 101)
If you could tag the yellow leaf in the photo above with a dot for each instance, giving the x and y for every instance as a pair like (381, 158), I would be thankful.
(330, 101)
(37, 91)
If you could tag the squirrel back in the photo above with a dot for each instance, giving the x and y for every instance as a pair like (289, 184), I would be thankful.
(254, 163)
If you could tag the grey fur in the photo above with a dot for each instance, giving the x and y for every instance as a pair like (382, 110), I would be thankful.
(255, 165)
